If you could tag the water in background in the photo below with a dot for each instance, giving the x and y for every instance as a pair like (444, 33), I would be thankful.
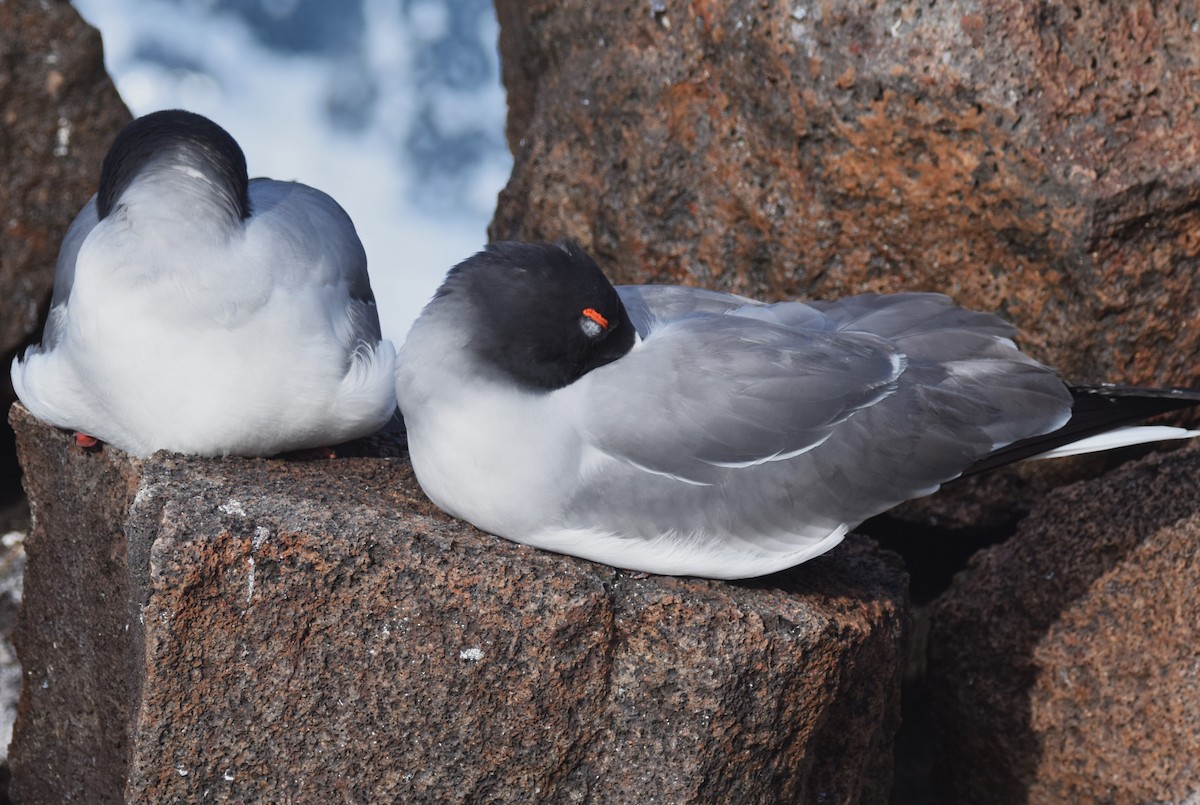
(393, 107)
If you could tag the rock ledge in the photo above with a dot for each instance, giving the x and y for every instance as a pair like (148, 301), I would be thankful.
(315, 631)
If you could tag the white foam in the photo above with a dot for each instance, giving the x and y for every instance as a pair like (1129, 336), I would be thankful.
(276, 105)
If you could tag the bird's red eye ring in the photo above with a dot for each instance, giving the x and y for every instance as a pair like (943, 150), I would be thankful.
(596, 317)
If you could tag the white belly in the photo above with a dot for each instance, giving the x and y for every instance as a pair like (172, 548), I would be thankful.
(499, 459)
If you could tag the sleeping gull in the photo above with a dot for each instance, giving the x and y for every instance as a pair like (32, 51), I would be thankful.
(680, 431)
(200, 312)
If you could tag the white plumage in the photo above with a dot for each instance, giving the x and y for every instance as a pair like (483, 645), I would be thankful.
(199, 313)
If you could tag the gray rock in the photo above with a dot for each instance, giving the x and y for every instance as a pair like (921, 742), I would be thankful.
(255, 630)
(1063, 664)
(59, 113)
(12, 569)
(1021, 156)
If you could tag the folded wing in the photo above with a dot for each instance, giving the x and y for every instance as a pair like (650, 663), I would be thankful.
(824, 412)
(715, 392)
(312, 244)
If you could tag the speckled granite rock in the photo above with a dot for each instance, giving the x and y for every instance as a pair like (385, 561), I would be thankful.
(1037, 160)
(12, 573)
(1063, 664)
(59, 113)
(259, 630)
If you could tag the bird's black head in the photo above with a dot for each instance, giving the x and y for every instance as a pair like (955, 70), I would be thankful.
(179, 138)
(542, 313)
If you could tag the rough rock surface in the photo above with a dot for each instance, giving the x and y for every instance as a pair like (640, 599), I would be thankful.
(59, 112)
(1063, 664)
(1040, 160)
(253, 630)
(12, 572)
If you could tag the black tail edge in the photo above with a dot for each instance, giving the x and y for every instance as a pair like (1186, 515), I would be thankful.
(1095, 409)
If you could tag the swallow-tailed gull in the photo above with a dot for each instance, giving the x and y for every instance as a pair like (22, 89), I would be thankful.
(681, 431)
(200, 312)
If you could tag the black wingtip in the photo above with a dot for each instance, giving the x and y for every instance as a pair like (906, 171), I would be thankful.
(1095, 409)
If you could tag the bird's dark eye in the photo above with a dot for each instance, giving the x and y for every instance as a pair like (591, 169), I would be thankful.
(592, 323)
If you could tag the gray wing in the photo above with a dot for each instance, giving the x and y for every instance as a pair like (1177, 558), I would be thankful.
(972, 379)
(651, 306)
(711, 393)
(892, 396)
(967, 390)
(64, 271)
(316, 227)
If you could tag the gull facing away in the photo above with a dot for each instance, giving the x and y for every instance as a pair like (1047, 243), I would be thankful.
(197, 311)
(681, 431)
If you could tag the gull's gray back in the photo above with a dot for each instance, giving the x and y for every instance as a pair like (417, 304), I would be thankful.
(784, 422)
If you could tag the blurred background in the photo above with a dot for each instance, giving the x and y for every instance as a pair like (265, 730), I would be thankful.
(393, 107)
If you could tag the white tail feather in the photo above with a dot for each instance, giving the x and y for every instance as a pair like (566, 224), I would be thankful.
(1121, 437)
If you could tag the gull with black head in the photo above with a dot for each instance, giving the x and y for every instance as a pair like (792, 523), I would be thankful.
(198, 311)
(681, 431)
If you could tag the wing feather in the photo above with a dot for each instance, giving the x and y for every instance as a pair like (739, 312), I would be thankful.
(778, 436)
(716, 391)
(64, 271)
(323, 247)
(651, 306)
